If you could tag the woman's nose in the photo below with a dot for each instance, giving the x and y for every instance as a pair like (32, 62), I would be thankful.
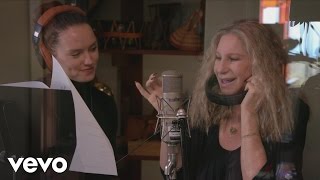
(88, 60)
(222, 66)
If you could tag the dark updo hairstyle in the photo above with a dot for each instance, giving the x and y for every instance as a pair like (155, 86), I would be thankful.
(53, 18)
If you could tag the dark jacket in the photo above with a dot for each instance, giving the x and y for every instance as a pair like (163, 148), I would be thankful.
(203, 157)
(103, 108)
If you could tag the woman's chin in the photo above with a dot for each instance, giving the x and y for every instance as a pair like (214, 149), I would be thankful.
(84, 79)
(230, 92)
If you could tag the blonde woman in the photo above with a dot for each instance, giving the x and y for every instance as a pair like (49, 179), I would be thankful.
(244, 130)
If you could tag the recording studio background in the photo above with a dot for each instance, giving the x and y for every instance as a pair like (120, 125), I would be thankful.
(302, 35)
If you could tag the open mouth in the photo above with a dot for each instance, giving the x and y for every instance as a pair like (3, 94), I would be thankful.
(226, 81)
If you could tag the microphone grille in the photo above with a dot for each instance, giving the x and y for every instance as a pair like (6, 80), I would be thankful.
(171, 81)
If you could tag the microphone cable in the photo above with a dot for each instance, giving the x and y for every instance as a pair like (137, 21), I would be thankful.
(141, 144)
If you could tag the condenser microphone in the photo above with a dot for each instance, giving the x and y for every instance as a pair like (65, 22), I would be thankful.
(172, 101)
(171, 116)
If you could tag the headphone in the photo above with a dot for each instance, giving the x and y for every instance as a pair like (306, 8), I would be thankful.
(225, 100)
(45, 59)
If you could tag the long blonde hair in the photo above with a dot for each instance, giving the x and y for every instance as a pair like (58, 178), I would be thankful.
(268, 58)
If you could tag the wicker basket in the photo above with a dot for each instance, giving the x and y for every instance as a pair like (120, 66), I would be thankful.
(186, 37)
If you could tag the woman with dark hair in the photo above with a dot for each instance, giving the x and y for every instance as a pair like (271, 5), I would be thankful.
(64, 32)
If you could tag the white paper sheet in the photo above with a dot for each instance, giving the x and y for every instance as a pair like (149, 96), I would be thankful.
(29, 84)
(93, 153)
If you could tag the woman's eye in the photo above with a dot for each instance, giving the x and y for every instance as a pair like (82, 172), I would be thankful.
(218, 58)
(75, 54)
(94, 48)
(234, 58)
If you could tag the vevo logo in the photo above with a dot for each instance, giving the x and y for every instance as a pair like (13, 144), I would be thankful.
(30, 164)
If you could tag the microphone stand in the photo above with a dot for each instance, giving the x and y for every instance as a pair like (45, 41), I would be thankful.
(171, 134)
(170, 169)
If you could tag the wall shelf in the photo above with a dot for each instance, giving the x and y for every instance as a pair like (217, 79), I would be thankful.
(155, 52)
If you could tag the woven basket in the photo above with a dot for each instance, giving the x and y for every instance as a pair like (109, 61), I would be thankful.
(186, 37)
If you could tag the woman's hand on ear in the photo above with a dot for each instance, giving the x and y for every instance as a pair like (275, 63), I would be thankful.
(254, 95)
(153, 91)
